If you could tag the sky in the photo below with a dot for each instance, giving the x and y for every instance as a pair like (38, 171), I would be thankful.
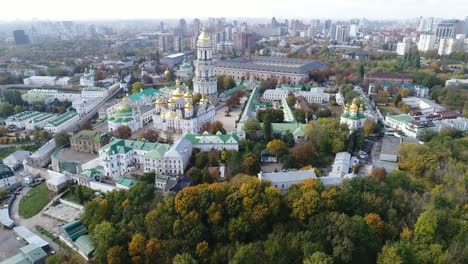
(157, 9)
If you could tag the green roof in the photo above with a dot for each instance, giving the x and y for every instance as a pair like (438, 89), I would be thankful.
(283, 127)
(403, 118)
(29, 254)
(43, 117)
(150, 92)
(85, 244)
(228, 92)
(87, 134)
(126, 181)
(125, 145)
(25, 115)
(75, 229)
(119, 119)
(91, 173)
(158, 152)
(63, 118)
(195, 138)
(162, 178)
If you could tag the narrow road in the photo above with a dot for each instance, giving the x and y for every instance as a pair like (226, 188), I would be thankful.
(39, 219)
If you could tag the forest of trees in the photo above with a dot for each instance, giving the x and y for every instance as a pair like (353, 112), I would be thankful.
(417, 215)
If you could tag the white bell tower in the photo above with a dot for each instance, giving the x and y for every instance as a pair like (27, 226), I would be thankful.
(205, 80)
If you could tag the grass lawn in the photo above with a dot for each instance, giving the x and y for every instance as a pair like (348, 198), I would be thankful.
(72, 194)
(390, 110)
(33, 202)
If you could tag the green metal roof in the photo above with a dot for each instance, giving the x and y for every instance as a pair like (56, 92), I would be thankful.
(126, 181)
(63, 118)
(150, 92)
(158, 152)
(87, 134)
(125, 145)
(195, 138)
(403, 118)
(85, 244)
(75, 229)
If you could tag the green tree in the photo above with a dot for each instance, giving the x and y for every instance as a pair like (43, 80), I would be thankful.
(62, 138)
(137, 87)
(104, 236)
(276, 146)
(184, 258)
(318, 258)
(267, 128)
(291, 100)
(251, 126)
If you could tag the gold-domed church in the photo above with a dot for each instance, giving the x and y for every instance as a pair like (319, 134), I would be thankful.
(353, 115)
(179, 113)
(125, 114)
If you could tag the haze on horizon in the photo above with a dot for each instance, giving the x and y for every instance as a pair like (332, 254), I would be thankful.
(304, 9)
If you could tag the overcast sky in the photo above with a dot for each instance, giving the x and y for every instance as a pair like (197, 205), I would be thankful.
(156, 9)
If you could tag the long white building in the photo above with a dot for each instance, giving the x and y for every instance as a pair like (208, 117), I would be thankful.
(123, 156)
(46, 80)
(315, 95)
(62, 122)
(219, 141)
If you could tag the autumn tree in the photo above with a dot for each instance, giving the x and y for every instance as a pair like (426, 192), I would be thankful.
(291, 100)
(117, 255)
(122, 132)
(375, 221)
(151, 135)
(137, 87)
(251, 163)
(369, 127)
(276, 146)
(136, 248)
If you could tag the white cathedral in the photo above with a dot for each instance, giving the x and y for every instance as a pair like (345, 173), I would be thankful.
(177, 112)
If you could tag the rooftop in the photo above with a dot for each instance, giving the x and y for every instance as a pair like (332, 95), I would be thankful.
(403, 118)
(289, 176)
(63, 118)
(390, 145)
(273, 64)
(126, 182)
(150, 92)
(88, 135)
(125, 145)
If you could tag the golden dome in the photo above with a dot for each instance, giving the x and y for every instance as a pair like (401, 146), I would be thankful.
(361, 107)
(204, 37)
(159, 101)
(188, 105)
(177, 92)
(171, 101)
(354, 106)
(166, 72)
(203, 99)
(188, 95)
(347, 107)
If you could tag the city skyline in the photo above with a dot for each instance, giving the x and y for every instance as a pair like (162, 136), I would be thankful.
(303, 9)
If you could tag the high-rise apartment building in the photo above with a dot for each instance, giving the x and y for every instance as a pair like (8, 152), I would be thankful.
(449, 29)
(426, 42)
(21, 38)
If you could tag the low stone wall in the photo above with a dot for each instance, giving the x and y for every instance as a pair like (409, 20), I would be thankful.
(71, 204)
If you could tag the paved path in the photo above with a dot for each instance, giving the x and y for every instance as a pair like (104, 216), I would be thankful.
(48, 223)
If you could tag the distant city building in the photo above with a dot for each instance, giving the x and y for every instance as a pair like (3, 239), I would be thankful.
(449, 29)
(21, 38)
(340, 32)
(245, 41)
(426, 42)
(449, 46)
(426, 24)
(403, 47)
(384, 77)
